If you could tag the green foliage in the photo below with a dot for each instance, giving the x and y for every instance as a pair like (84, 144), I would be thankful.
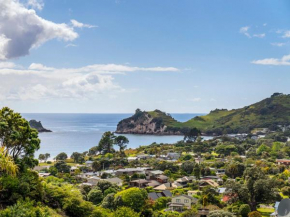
(134, 198)
(62, 167)
(254, 214)
(244, 210)
(106, 143)
(188, 166)
(125, 212)
(18, 138)
(61, 156)
(27, 208)
(161, 203)
(220, 213)
(95, 196)
(108, 201)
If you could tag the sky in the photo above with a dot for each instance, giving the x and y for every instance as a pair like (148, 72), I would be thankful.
(113, 56)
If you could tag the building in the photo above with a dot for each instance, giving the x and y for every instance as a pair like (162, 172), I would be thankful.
(167, 186)
(180, 201)
(173, 156)
(140, 183)
(132, 159)
(131, 171)
(283, 161)
(155, 196)
(185, 180)
(94, 180)
(162, 178)
(115, 180)
(152, 174)
(191, 193)
(204, 183)
(89, 163)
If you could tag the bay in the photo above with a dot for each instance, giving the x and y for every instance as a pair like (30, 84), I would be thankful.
(80, 132)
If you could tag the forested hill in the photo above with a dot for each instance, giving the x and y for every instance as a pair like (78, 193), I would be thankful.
(268, 113)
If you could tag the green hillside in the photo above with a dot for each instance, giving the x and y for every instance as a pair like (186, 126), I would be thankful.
(268, 113)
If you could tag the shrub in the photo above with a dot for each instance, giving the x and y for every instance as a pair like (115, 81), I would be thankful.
(254, 214)
(95, 196)
(244, 210)
(125, 212)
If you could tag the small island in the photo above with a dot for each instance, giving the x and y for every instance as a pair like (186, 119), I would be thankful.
(38, 126)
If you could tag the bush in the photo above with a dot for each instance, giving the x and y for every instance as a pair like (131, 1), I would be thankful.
(254, 214)
(125, 212)
(244, 210)
(95, 196)
(220, 213)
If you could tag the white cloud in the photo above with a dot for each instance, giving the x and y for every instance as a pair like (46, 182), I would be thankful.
(42, 82)
(78, 24)
(278, 44)
(22, 29)
(36, 4)
(284, 61)
(286, 34)
(244, 30)
(265, 24)
(262, 35)
(71, 45)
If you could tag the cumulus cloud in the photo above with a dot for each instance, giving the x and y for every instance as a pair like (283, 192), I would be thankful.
(278, 44)
(36, 4)
(262, 35)
(244, 30)
(284, 61)
(78, 24)
(22, 29)
(42, 82)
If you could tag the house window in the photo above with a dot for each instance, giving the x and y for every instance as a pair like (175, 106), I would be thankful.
(185, 201)
(177, 200)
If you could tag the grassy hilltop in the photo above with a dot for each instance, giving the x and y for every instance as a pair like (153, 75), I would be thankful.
(268, 113)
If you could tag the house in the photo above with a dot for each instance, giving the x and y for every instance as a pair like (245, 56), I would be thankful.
(153, 183)
(191, 193)
(73, 169)
(140, 183)
(131, 171)
(283, 161)
(155, 196)
(43, 174)
(143, 156)
(204, 183)
(162, 178)
(115, 180)
(89, 163)
(202, 212)
(221, 190)
(152, 174)
(167, 186)
(94, 180)
(132, 159)
(173, 156)
(180, 201)
(220, 172)
(185, 180)
(40, 168)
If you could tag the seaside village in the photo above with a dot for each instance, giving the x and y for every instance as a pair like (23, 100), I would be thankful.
(234, 175)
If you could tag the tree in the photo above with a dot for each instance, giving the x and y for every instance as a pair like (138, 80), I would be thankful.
(244, 210)
(122, 142)
(18, 138)
(196, 171)
(286, 191)
(47, 155)
(235, 169)
(134, 198)
(95, 196)
(188, 166)
(97, 166)
(7, 164)
(77, 157)
(62, 167)
(106, 143)
(190, 135)
(125, 212)
(41, 157)
(104, 185)
(93, 151)
(257, 188)
(108, 201)
(61, 156)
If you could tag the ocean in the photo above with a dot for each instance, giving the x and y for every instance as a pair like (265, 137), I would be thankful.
(80, 132)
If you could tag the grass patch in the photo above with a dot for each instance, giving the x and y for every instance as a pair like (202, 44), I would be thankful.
(266, 211)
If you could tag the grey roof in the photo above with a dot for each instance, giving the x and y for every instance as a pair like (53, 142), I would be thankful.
(140, 181)
(162, 177)
(153, 195)
(89, 162)
(167, 193)
(184, 195)
(156, 172)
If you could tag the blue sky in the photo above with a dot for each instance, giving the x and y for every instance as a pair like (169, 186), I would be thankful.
(177, 56)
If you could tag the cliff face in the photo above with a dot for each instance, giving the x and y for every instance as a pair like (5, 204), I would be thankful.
(146, 123)
(38, 126)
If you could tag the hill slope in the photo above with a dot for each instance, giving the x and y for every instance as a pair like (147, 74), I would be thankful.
(268, 113)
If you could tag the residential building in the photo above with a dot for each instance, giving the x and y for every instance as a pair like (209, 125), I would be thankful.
(156, 195)
(180, 201)
(283, 161)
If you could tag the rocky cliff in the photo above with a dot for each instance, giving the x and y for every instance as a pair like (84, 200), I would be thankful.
(147, 123)
(38, 126)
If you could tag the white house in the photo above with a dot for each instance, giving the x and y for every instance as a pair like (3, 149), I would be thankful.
(180, 201)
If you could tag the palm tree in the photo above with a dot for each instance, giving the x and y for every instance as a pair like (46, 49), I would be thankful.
(7, 164)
